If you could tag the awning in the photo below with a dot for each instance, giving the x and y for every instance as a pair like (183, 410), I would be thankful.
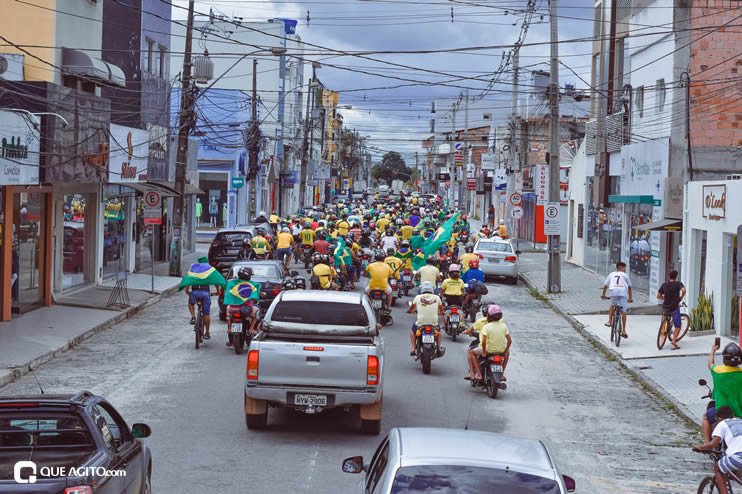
(632, 199)
(78, 62)
(145, 187)
(666, 225)
(190, 190)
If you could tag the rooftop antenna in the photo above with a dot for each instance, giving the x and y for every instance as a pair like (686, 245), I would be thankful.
(451, 15)
(308, 18)
(37, 380)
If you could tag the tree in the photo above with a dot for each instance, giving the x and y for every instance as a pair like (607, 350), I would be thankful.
(392, 167)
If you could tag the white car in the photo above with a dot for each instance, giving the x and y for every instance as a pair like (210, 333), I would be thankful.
(498, 258)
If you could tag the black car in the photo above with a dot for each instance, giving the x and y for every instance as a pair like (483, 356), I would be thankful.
(273, 278)
(70, 443)
(233, 244)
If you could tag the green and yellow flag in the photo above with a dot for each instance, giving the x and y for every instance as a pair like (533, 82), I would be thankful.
(240, 291)
(435, 242)
(201, 273)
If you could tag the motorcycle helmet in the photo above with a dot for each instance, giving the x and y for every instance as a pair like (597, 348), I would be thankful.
(372, 224)
(325, 258)
(427, 287)
(389, 232)
(474, 264)
(406, 222)
(463, 218)
(285, 229)
(400, 222)
(484, 310)
(416, 231)
(245, 273)
(405, 244)
(454, 268)
(732, 355)
(431, 260)
(262, 213)
(316, 258)
(260, 232)
(307, 225)
(379, 256)
(390, 251)
(469, 248)
(495, 309)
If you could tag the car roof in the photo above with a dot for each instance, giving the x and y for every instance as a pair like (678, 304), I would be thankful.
(235, 229)
(53, 399)
(420, 443)
(322, 296)
(494, 240)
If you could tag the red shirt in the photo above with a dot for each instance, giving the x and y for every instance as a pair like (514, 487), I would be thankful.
(315, 224)
(321, 246)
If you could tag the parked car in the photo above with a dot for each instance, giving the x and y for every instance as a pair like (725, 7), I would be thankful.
(56, 433)
(421, 460)
(229, 245)
(272, 276)
(317, 350)
(499, 258)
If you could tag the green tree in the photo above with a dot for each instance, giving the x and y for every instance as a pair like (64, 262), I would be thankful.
(392, 167)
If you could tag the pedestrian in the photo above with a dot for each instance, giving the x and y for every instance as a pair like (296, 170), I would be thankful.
(671, 293)
(491, 216)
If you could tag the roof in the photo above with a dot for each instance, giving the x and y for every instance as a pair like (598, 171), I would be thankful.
(457, 444)
(321, 296)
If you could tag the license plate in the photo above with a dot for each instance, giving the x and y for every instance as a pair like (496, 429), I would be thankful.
(428, 338)
(376, 304)
(495, 260)
(314, 400)
(454, 319)
(236, 328)
(496, 368)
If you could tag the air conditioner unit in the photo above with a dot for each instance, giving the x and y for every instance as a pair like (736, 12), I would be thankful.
(11, 66)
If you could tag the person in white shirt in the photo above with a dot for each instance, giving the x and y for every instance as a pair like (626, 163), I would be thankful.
(428, 306)
(619, 284)
(389, 242)
(729, 430)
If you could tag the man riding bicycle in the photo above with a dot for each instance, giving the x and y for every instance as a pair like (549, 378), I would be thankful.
(260, 245)
(671, 293)
(619, 284)
(730, 431)
(202, 293)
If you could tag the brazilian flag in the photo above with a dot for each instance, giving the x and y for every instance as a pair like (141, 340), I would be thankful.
(202, 273)
(405, 255)
(342, 254)
(416, 242)
(240, 291)
(435, 242)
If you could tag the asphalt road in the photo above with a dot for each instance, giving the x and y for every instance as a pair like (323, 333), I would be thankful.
(603, 429)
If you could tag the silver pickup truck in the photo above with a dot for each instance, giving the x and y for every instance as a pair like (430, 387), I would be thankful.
(317, 350)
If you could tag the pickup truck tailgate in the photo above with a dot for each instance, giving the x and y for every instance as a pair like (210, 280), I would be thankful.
(313, 364)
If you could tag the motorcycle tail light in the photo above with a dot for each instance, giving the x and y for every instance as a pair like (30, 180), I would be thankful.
(497, 359)
(511, 259)
(454, 310)
(372, 370)
(236, 316)
(253, 359)
(428, 330)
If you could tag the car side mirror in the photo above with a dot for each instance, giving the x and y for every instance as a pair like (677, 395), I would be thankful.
(141, 430)
(569, 483)
(354, 464)
(702, 382)
(517, 252)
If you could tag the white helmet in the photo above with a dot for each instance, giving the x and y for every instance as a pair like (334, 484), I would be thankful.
(262, 213)
(427, 287)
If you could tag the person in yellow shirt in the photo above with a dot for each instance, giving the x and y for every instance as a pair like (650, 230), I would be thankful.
(452, 287)
(382, 223)
(307, 235)
(274, 219)
(468, 257)
(284, 242)
(260, 245)
(380, 272)
(324, 272)
(406, 230)
(494, 338)
(394, 262)
(502, 230)
(343, 226)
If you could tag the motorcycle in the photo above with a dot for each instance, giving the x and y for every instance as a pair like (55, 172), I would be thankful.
(378, 304)
(452, 323)
(366, 255)
(427, 349)
(409, 282)
(396, 287)
(492, 371)
(709, 395)
(306, 255)
(240, 335)
(472, 307)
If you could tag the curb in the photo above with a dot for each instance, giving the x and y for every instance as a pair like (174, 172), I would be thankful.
(18, 371)
(634, 371)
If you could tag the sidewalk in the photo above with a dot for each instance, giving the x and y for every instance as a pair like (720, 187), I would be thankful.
(36, 337)
(673, 374)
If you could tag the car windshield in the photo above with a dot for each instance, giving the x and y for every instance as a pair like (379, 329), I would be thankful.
(494, 247)
(456, 479)
(260, 271)
(230, 237)
(330, 313)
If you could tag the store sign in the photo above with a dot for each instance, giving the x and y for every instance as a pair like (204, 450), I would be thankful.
(19, 150)
(157, 166)
(645, 170)
(501, 179)
(129, 154)
(715, 201)
(488, 161)
(459, 153)
(673, 201)
(541, 184)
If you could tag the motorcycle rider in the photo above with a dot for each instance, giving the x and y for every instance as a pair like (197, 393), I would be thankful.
(324, 273)
(727, 385)
(260, 245)
(429, 272)
(343, 226)
(414, 218)
(380, 272)
(472, 277)
(394, 262)
(469, 256)
(427, 230)
(429, 307)
(389, 241)
(406, 230)
(494, 338)
(247, 309)
(452, 287)
(382, 223)
(321, 245)
(284, 243)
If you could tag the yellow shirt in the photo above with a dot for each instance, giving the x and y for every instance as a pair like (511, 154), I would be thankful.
(382, 224)
(284, 240)
(355, 248)
(379, 273)
(502, 230)
(325, 273)
(334, 234)
(260, 245)
(395, 263)
(343, 227)
(274, 219)
(464, 260)
(452, 287)
(496, 333)
(406, 232)
(429, 273)
(478, 325)
(307, 236)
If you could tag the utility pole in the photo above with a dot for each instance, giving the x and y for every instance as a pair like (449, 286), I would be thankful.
(304, 148)
(185, 122)
(467, 162)
(454, 170)
(554, 274)
(606, 161)
(253, 143)
(513, 165)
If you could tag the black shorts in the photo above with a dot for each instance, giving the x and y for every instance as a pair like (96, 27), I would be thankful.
(454, 299)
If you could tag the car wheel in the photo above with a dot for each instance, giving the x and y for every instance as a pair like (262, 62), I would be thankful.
(371, 427)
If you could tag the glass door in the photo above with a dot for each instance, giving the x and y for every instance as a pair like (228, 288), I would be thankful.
(28, 251)
(115, 236)
(74, 267)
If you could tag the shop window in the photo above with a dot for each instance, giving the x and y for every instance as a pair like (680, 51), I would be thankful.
(702, 236)
(27, 251)
(77, 219)
(661, 95)
(115, 236)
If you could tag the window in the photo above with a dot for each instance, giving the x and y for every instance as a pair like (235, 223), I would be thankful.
(457, 478)
(598, 20)
(377, 466)
(639, 100)
(494, 247)
(163, 60)
(112, 428)
(150, 54)
(325, 313)
(661, 95)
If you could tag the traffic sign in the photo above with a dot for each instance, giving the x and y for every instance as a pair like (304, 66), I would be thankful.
(238, 182)
(516, 212)
(471, 183)
(516, 199)
(152, 199)
(152, 216)
(551, 219)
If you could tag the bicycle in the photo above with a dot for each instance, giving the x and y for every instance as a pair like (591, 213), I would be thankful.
(198, 328)
(667, 327)
(616, 323)
(708, 484)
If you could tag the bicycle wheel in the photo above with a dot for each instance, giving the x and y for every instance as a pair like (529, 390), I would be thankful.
(708, 486)
(199, 329)
(618, 325)
(662, 333)
(684, 325)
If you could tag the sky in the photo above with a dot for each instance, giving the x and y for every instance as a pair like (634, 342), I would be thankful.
(391, 93)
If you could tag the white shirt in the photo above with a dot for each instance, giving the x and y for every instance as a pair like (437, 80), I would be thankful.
(389, 243)
(730, 430)
(427, 305)
(618, 284)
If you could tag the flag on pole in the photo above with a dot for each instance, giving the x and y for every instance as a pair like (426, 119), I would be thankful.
(240, 291)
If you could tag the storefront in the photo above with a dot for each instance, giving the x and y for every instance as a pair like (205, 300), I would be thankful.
(25, 233)
(710, 234)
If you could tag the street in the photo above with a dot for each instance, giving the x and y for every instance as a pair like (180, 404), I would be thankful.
(599, 424)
